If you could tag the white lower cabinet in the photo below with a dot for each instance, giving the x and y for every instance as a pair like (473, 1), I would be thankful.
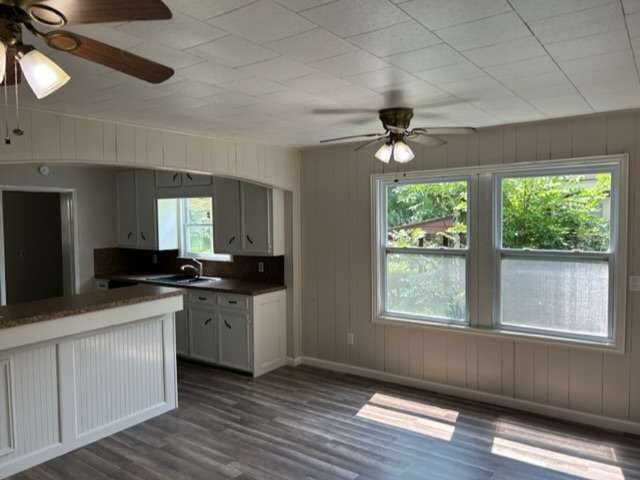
(246, 333)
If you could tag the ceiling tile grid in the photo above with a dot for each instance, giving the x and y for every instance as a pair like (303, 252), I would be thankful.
(269, 63)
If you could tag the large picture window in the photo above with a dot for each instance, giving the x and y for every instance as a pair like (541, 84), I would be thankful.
(528, 250)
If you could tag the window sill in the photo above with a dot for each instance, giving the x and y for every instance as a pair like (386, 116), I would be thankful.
(213, 258)
(604, 346)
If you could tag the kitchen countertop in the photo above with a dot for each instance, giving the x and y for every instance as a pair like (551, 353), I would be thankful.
(59, 307)
(222, 285)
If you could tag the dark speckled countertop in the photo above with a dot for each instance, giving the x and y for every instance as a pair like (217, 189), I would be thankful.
(59, 307)
(221, 285)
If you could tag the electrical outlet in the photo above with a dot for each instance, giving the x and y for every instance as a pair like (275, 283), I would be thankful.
(351, 339)
(261, 267)
(154, 259)
(634, 283)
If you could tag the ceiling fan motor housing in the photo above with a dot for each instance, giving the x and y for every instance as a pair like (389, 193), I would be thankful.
(397, 117)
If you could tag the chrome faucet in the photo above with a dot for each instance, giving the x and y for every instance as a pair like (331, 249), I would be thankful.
(197, 271)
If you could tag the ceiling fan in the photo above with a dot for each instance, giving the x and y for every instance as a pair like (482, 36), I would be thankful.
(42, 74)
(397, 136)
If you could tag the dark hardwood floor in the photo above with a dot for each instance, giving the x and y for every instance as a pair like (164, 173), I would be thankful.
(304, 423)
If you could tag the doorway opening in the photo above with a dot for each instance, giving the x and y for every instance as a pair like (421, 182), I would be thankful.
(37, 245)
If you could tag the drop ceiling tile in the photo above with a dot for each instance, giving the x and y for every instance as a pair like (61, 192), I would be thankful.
(298, 5)
(488, 31)
(562, 106)
(633, 22)
(262, 21)
(415, 93)
(609, 42)
(523, 68)
(253, 86)
(278, 69)
(382, 79)
(481, 87)
(426, 58)
(204, 9)
(507, 52)
(232, 51)
(400, 38)
(542, 87)
(606, 79)
(538, 9)
(317, 83)
(355, 97)
(196, 89)
(350, 64)
(212, 73)
(167, 56)
(587, 65)
(437, 14)
(612, 97)
(179, 33)
(346, 18)
(593, 21)
(311, 46)
(631, 6)
(451, 73)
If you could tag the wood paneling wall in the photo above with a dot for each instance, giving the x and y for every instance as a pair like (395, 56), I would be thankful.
(336, 239)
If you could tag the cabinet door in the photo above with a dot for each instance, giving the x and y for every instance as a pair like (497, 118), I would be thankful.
(165, 178)
(193, 179)
(146, 201)
(235, 339)
(203, 330)
(182, 333)
(256, 218)
(127, 219)
(226, 215)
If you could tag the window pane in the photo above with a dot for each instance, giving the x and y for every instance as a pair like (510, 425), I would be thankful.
(562, 212)
(427, 215)
(199, 210)
(200, 240)
(565, 296)
(426, 285)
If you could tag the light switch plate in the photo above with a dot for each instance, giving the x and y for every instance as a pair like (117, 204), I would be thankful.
(634, 283)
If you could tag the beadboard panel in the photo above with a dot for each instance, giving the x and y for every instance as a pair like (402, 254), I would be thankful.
(118, 373)
(7, 440)
(336, 296)
(59, 138)
(33, 388)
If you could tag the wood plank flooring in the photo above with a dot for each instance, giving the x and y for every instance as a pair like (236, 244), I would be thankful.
(305, 423)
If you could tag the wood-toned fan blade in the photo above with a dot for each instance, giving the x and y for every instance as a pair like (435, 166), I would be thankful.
(351, 137)
(95, 11)
(445, 130)
(108, 56)
(380, 139)
(342, 111)
(426, 140)
(10, 78)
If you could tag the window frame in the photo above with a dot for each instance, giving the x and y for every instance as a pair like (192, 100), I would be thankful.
(484, 248)
(184, 227)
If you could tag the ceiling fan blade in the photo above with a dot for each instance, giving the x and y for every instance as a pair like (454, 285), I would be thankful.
(10, 70)
(394, 129)
(445, 130)
(108, 56)
(426, 140)
(342, 111)
(49, 12)
(352, 137)
(380, 139)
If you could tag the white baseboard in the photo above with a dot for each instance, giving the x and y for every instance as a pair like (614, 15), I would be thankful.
(590, 419)
(294, 361)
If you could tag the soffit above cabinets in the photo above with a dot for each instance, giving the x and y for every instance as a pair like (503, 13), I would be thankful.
(256, 69)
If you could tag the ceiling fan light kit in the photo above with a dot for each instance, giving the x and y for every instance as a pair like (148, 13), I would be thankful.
(384, 153)
(402, 152)
(43, 75)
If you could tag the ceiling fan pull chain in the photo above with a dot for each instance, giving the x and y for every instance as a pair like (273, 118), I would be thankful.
(18, 131)
(7, 139)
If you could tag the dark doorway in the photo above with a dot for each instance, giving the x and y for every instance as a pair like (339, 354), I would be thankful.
(32, 246)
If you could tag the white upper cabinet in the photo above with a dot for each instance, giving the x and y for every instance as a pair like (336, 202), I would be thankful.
(139, 223)
(248, 219)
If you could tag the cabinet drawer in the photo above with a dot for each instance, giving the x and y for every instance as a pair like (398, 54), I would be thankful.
(238, 302)
(202, 298)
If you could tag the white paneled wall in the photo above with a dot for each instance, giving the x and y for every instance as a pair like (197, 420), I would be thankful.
(118, 373)
(336, 239)
(6, 422)
(58, 138)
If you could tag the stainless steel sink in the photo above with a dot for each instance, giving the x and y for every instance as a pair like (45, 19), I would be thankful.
(181, 279)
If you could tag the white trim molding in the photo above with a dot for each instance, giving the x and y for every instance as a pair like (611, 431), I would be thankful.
(599, 421)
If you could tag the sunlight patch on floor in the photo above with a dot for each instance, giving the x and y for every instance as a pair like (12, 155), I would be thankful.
(559, 462)
(411, 406)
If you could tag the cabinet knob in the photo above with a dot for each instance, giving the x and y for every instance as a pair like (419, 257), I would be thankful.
(129, 235)
(175, 177)
(231, 240)
(249, 240)
(189, 176)
(202, 299)
(233, 302)
(227, 324)
(208, 321)
(142, 236)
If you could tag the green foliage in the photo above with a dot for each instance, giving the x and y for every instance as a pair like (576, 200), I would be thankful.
(556, 212)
